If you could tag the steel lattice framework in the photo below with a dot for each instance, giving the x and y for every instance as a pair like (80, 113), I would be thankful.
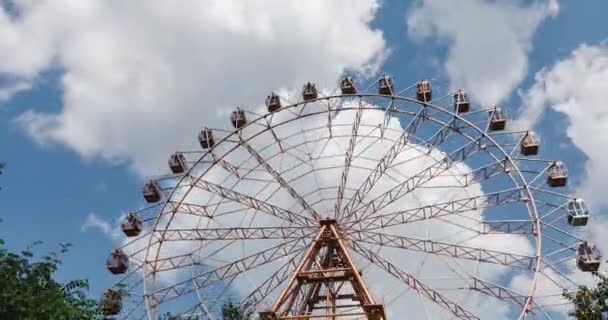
(434, 210)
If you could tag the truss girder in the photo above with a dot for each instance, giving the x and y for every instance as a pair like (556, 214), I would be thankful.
(253, 203)
(415, 284)
(189, 208)
(385, 162)
(417, 180)
(441, 209)
(232, 269)
(280, 179)
(486, 172)
(270, 284)
(224, 234)
(375, 175)
(445, 249)
(348, 159)
(498, 292)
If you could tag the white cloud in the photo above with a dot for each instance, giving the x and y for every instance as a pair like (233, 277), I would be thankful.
(96, 223)
(8, 91)
(575, 87)
(142, 78)
(488, 41)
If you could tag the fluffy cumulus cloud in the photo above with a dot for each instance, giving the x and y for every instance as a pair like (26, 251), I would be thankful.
(99, 224)
(575, 87)
(488, 41)
(140, 79)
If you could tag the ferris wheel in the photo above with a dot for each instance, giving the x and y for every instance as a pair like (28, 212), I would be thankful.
(361, 203)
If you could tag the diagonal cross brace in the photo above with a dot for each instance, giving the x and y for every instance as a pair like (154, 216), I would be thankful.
(409, 280)
(280, 179)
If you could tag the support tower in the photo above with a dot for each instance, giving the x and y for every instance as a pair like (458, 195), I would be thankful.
(326, 284)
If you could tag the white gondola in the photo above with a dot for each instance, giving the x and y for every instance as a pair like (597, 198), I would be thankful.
(424, 91)
(347, 86)
(132, 225)
(118, 262)
(498, 119)
(205, 138)
(273, 102)
(529, 144)
(238, 118)
(309, 91)
(557, 174)
(588, 257)
(385, 85)
(461, 102)
(578, 213)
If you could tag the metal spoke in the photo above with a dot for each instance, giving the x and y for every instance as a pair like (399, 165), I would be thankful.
(253, 203)
(498, 292)
(348, 159)
(445, 249)
(234, 268)
(416, 180)
(413, 283)
(270, 284)
(237, 233)
(440, 209)
(384, 163)
(279, 179)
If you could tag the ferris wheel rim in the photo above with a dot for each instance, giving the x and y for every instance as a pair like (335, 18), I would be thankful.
(484, 133)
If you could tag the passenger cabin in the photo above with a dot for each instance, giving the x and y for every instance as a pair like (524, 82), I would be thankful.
(118, 262)
(309, 91)
(111, 302)
(347, 86)
(424, 92)
(578, 213)
(238, 118)
(385, 85)
(498, 119)
(269, 315)
(557, 175)
(177, 163)
(529, 144)
(132, 225)
(588, 257)
(205, 138)
(273, 102)
(151, 192)
(461, 101)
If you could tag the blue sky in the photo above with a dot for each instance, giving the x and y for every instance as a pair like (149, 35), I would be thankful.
(52, 183)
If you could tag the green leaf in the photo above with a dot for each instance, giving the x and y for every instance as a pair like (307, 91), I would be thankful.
(27, 254)
(29, 290)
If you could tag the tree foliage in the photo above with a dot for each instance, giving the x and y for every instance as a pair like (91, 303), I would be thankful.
(590, 303)
(229, 312)
(29, 291)
(232, 312)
